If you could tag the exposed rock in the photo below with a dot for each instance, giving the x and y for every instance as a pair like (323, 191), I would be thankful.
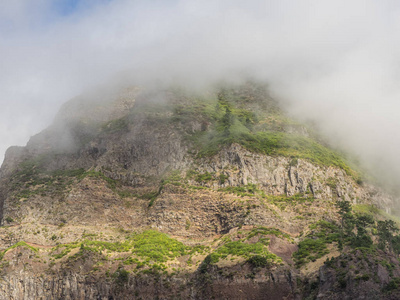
(116, 171)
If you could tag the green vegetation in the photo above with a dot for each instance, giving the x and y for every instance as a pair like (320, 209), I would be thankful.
(332, 182)
(68, 173)
(293, 162)
(315, 244)
(268, 231)
(349, 222)
(115, 125)
(387, 241)
(33, 172)
(282, 201)
(64, 249)
(206, 177)
(150, 250)
(259, 261)
(121, 276)
(37, 181)
(393, 284)
(246, 115)
(147, 251)
(354, 230)
(157, 246)
(19, 244)
(208, 260)
(111, 183)
(251, 252)
(375, 212)
(244, 190)
(151, 196)
(274, 144)
(242, 249)
(223, 178)
(203, 178)
(366, 209)
(32, 179)
(173, 177)
(310, 250)
(256, 254)
(150, 246)
(42, 182)
(9, 219)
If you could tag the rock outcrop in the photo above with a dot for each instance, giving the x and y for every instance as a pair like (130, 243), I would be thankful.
(80, 200)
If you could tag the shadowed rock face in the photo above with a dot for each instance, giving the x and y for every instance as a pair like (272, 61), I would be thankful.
(71, 285)
(107, 171)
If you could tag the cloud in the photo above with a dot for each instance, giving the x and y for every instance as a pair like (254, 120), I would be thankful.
(335, 62)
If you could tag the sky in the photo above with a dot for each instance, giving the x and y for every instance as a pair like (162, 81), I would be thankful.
(336, 63)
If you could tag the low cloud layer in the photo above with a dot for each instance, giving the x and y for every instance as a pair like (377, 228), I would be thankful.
(334, 62)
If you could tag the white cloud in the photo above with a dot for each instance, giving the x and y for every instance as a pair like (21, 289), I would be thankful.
(337, 62)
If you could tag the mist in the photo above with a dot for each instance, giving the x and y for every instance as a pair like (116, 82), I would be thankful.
(336, 63)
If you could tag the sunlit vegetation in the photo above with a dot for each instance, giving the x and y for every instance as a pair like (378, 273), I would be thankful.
(281, 201)
(354, 230)
(19, 244)
(249, 117)
(256, 253)
(242, 249)
(150, 251)
(314, 245)
(245, 115)
(144, 249)
(310, 250)
(375, 212)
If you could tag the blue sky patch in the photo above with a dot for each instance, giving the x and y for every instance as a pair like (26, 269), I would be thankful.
(69, 7)
(66, 7)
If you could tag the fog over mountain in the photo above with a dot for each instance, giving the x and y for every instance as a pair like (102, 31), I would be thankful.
(335, 63)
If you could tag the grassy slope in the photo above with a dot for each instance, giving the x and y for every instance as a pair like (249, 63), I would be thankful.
(244, 115)
(248, 116)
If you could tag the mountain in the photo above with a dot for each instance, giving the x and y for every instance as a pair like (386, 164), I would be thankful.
(172, 194)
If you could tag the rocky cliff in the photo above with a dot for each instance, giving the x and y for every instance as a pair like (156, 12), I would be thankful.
(173, 195)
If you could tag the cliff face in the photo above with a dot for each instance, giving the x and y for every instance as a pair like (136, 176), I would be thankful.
(235, 184)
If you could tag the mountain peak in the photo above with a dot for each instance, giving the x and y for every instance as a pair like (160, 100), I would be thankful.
(220, 191)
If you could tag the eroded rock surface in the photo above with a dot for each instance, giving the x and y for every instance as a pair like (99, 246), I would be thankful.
(103, 177)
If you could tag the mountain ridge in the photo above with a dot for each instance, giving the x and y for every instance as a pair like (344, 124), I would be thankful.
(239, 187)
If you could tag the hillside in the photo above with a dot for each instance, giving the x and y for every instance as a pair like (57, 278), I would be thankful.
(170, 194)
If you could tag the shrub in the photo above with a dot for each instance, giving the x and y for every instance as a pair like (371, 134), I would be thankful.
(223, 178)
(121, 276)
(208, 260)
(157, 246)
(206, 177)
(19, 244)
(258, 261)
(392, 285)
(9, 219)
(364, 241)
(310, 250)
